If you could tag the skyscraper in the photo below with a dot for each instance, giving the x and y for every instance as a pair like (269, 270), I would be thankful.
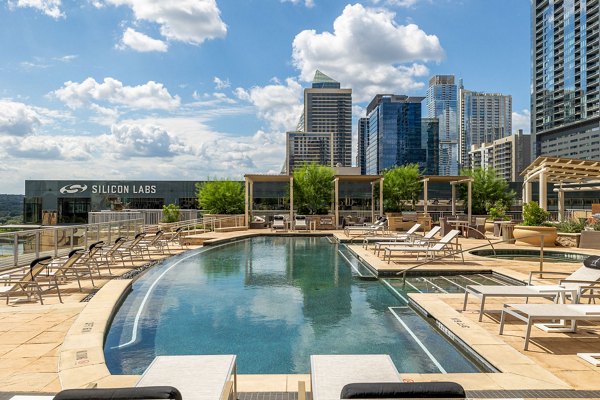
(442, 104)
(328, 109)
(363, 142)
(484, 117)
(565, 119)
(394, 133)
(430, 141)
(307, 147)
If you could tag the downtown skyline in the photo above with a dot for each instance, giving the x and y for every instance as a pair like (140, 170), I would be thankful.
(137, 89)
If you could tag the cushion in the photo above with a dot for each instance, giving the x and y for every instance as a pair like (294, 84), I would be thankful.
(73, 252)
(390, 390)
(135, 393)
(95, 244)
(592, 262)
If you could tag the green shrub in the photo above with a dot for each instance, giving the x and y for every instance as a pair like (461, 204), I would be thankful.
(488, 189)
(401, 187)
(221, 197)
(313, 189)
(496, 211)
(534, 215)
(170, 213)
(570, 226)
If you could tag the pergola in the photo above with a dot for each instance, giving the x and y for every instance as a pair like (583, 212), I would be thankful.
(337, 179)
(453, 181)
(567, 175)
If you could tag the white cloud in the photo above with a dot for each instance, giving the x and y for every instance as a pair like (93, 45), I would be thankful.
(139, 42)
(67, 58)
(189, 21)
(521, 120)
(49, 7)
(151, 95)
(220, 83)
(399, 3)
(279, 105)
(18, 119)
(131, 140)
(350, 56)
(307, 3)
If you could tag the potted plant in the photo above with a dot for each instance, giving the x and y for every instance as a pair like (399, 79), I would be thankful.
(496, 212)
(535, 222)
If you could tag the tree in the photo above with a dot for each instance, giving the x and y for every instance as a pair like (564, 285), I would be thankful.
(488, 190)
(313, 188)
(170, 213)
(401, 186)
(221, 197)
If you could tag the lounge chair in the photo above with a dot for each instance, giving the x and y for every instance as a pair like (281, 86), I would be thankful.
(154, 243)
(205, 377)
(26, 285)
(412, 239)
(108, 255)
(587, 275)
(300, 222)
(444, 245)
(132, 248)
(134, 393)
(92, 255)
(378, 226)
(59, 270)
(400, 237)
(529, 313)
(278, 222)
(330, 373)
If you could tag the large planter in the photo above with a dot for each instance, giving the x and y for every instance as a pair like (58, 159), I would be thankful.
(523, 235)
(489, 226)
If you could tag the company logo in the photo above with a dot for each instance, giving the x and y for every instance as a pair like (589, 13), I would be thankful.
(71, 189)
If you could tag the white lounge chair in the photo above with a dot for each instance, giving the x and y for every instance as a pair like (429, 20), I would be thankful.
(529, 313)
(444, 245)
(300, 222)
(330, 373)
(378, 226)
(582, 277)
(397, 237)
(205, 377)
(412, 240)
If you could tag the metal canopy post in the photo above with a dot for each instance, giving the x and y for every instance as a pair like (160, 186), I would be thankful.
(469, 197)
(381, 197)
(291, 198)
(425, 195)
(246, 205)
(453, 199)
(336, 192)
(543, 191)
(372, 201)
(561, 204)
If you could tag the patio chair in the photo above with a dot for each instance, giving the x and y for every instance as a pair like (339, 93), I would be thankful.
(132, 248)
(477, 230)
(175, 237)
(278, 222)
(300, 222)
(586, 275)
(410, 237)
(108, 255)
(330, 373)
(59, 270)
(133, 393)
(529, 313)
(444, 245)
(202, 377)
(26, 285)
(378, 226)
(154, 243)
(91, 256)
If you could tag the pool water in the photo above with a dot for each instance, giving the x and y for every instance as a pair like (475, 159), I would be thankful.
(272, 301)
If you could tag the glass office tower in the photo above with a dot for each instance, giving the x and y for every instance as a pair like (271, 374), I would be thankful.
(394, 133)
(363, 142)
(442, 104)
(565, 120)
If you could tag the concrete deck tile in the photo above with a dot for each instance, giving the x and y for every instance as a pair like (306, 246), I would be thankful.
(31, 350)
(5, 348)
(80, 357)
(80, 377)
(82, 341)
(115, 381)
(509, 381)
(27, 382)
(293, 379)
(18, 337)
(52, 387)
(584, 380)
(48, 337)
(468, 381)
(16, 364)
(43, 364)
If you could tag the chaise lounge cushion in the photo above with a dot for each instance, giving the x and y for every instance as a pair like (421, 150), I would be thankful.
(419, 390)
(136, 393)
(592, 262)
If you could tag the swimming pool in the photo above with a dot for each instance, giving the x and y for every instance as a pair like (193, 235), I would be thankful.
(272, 301)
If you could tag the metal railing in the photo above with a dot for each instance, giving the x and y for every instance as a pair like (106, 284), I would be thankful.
(150, 216)
(461, 252)
(21, 247)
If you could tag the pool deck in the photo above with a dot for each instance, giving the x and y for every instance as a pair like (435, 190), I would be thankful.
(55, 346)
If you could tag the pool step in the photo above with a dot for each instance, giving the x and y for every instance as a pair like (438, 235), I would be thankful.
(359, 269)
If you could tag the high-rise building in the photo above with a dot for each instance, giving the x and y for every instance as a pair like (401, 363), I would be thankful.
(363, 142)
(307, 147)
(483, 117)
(565, 119)
(328, 109)
(394, 133)
(442, 103)
(430, 141)
(509, 156)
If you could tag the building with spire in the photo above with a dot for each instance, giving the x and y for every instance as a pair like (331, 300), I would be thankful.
(442, 104)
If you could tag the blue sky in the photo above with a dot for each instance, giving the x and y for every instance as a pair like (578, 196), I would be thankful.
(192, 89)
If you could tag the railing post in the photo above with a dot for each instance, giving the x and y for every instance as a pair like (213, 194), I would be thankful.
(55, 242)
(541, 255)
(37, 244)
(16, 249)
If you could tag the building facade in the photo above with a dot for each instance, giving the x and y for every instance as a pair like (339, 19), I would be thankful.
(509, 156)
(442, 103)
(394, 133)
(308, 147)
(565, 119)
(363, 142)
(483, 118)
(430, 141)
(328, 109)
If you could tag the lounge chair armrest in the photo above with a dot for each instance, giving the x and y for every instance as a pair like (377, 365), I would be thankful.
(531, 273)
(591, 283)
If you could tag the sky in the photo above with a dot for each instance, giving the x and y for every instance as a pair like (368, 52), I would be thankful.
(204, 89)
